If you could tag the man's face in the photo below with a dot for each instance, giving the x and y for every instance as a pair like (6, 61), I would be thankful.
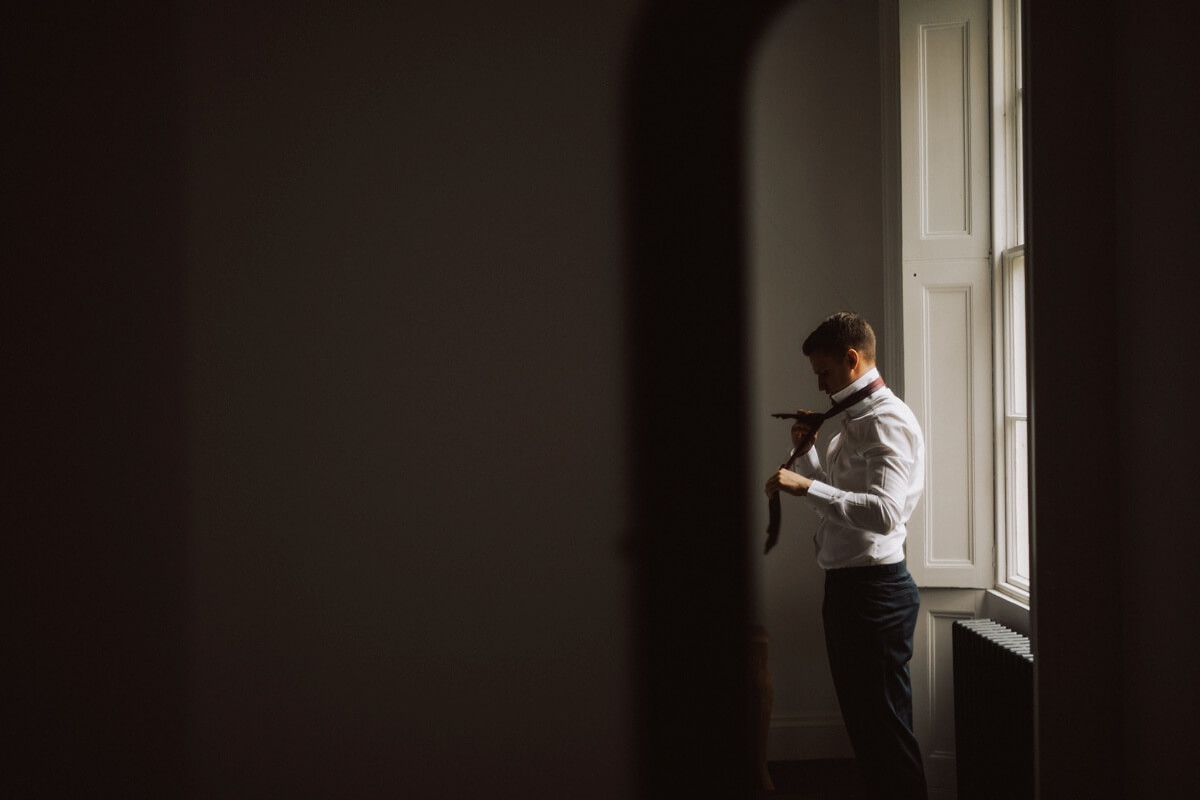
(833, 374)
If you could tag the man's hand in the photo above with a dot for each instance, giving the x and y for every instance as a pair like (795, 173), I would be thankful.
(788, 481)
(804, 435)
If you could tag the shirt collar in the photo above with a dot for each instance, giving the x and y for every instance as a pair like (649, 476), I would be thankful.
(866, 378)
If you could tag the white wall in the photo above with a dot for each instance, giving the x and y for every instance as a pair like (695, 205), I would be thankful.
(404, 398)
(816, 238)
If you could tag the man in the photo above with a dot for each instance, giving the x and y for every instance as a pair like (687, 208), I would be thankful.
(872, 479)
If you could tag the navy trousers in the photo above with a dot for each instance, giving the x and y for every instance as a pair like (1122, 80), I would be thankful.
(870, 614)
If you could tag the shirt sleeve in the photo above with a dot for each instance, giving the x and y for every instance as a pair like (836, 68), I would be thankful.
(879, 506)
(809, 465)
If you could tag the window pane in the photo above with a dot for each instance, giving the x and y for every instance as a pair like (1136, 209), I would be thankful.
(1019, 505)
(1015, 300)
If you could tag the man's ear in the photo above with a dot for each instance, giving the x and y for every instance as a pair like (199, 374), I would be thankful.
(853, 358)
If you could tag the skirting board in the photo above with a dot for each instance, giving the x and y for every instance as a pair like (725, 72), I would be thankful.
(798, 738)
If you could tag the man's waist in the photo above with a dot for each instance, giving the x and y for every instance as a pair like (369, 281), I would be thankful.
(867, 572)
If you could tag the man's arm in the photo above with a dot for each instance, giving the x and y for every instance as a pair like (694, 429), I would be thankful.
(876, 501)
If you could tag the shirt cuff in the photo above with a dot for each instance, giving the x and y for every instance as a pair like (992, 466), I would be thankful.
(822, 491)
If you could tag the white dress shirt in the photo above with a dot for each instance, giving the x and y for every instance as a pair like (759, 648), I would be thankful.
(872, 480)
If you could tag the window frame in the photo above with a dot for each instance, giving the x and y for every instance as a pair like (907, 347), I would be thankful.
(1010, 303)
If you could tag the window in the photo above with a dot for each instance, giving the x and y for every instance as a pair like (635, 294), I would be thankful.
(1012, 452)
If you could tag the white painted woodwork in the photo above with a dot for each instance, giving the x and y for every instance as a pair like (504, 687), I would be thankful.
(947, 307)
(947, 315)
(891, 351)
(944, 116)
(932, 673)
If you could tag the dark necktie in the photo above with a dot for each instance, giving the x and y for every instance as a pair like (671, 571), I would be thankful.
(773, 509)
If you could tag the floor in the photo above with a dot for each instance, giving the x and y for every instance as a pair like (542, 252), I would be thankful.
(825, 779)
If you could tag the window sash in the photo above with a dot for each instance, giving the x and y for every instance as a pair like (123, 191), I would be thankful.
(1013, 553)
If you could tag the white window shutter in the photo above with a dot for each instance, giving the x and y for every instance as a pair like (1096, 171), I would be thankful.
(945, 188)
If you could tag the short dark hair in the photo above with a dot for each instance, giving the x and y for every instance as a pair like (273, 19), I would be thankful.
(841, 332)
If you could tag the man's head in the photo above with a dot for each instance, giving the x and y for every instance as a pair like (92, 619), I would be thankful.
(841, 350)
